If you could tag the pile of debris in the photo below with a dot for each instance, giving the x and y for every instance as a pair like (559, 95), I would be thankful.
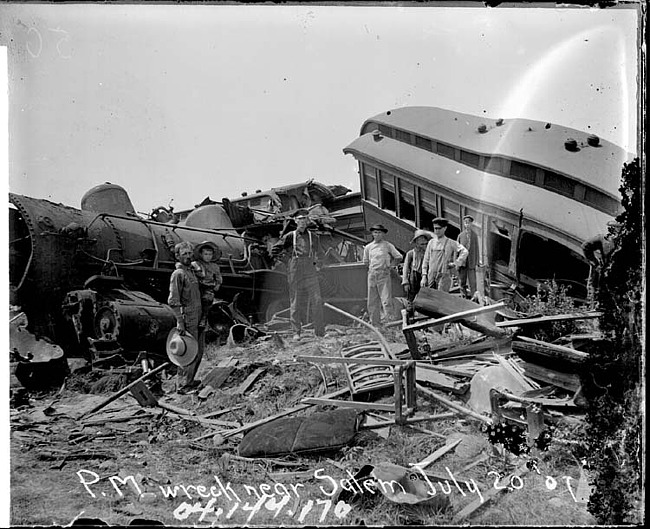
(360, 381)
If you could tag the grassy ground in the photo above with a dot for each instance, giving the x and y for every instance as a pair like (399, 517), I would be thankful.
(158, 453)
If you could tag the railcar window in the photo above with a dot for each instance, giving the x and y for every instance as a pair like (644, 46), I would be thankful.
(601, 201)
(370, 184)
(499, 248)
(469, 158)
(445, 150)
(523, 171)
(493, 165)
(406, 200)
(559, 183)
(428, 208)
(451, 211)
(545, 259)
(423, 143)
(386, 131)
(400, 135)
(387, 184)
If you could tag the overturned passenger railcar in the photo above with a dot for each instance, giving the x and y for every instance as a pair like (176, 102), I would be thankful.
(536, 190)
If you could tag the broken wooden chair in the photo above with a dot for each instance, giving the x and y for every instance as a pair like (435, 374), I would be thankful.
(403, 373)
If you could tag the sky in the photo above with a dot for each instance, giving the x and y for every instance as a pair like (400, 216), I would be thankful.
(176, 103)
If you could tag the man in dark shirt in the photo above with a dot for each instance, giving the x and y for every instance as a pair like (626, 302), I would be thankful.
(302, 275)
(467, 272)
(596, 250)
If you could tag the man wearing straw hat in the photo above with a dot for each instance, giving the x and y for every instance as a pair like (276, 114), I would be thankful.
(379, 256)
(412, 271)
(185, 301)
(302, 275)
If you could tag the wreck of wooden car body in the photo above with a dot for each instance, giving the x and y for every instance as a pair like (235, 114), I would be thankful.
(536, 190)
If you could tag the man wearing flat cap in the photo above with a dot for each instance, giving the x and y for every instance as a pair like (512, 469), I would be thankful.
(302, 275)
(185, 300)
(467, 271)
(379, 256)
(441, 257)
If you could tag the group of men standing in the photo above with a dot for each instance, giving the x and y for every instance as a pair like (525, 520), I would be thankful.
(430, 263)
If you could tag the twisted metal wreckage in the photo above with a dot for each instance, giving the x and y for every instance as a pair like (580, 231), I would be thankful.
(95, 280)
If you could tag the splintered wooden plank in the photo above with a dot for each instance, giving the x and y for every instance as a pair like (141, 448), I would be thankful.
(494, 344)
(568, 381)
(440, 381)
(545, 319)
(451, 318)
(523, 380)
(529, 348)
(438, 304)
(217, 376)
(250, 379)
(437, 454)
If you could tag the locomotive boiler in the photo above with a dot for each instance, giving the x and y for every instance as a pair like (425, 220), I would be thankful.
(96, 279)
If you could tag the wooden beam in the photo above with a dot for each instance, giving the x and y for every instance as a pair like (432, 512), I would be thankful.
(436, 303)
(349, 404)
(453, 317)
(452, 405)
(545, 319)
(343, 360)
(527, 347)
(441, 381)
(437, 454)
(496, 344)
(250, 379)
(568, 381)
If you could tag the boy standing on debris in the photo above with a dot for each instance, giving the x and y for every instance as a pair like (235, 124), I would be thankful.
(412, 271)
(441, 257)
(467, 271)
(379, 256)
(302, 275)
(185, 300)
(207, 271)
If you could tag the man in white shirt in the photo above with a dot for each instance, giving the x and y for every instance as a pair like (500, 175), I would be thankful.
(441, 257)
(379, 256)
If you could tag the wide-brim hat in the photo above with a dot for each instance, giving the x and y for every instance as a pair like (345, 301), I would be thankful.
(301, 213)
(209, 244)
(181, 350)
(378, 227)
(440, 222)
(422, 233)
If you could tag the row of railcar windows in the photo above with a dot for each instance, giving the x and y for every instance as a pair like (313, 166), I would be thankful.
(509, 168)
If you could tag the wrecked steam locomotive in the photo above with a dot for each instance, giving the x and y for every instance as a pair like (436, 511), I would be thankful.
(95, 280)
(98, 277)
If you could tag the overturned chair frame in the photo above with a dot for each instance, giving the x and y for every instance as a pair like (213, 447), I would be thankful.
(403, 375)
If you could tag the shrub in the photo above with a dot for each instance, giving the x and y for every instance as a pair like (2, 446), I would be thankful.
(613, 373)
